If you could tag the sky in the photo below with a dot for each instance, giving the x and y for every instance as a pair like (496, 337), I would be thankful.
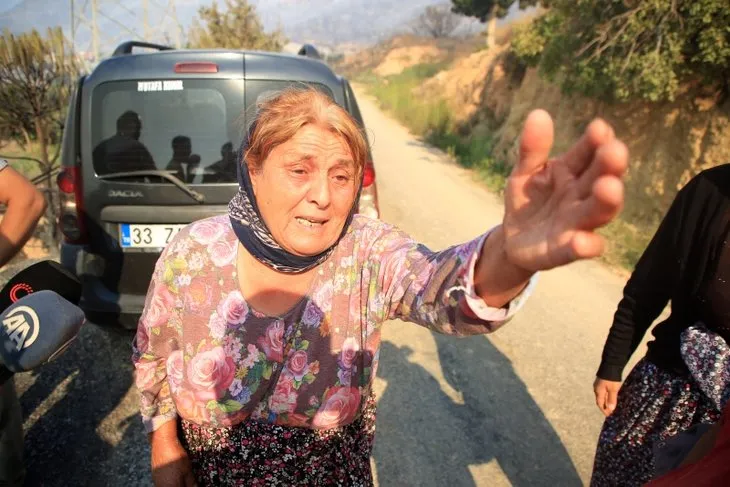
(319, 21)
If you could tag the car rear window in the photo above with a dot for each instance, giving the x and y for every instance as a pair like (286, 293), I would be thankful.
(257, 90)
(190, 128)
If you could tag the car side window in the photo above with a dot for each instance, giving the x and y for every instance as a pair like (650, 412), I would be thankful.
(352, 101)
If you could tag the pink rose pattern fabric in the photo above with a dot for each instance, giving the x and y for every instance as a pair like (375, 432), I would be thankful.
(203, 354)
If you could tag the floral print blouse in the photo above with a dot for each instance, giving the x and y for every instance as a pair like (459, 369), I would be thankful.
(202, 354)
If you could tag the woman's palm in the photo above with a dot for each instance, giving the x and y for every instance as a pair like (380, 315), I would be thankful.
(553, 206)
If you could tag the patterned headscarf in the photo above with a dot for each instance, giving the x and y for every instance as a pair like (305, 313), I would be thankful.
(253, 233)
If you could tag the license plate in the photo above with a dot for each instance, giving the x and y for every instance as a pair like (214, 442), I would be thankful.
(147, 236)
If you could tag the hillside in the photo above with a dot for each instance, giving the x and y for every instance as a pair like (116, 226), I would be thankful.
(488, 97)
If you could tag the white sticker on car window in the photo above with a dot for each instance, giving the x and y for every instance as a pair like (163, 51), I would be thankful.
(172, 85)
(166, 85)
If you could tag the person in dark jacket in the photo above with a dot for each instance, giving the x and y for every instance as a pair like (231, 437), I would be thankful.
(686, 263)
(123, 152)
(183, 161)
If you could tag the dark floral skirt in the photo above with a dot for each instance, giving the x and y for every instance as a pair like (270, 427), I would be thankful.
(653, 405)
(256, 453)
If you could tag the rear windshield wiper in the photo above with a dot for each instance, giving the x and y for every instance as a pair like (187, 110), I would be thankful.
(199, 197)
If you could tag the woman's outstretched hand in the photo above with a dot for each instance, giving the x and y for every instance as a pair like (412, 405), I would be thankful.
(553, 206)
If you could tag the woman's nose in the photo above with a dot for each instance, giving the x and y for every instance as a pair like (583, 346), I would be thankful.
(319, 193)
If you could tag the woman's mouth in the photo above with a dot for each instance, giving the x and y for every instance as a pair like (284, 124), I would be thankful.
(311, 222)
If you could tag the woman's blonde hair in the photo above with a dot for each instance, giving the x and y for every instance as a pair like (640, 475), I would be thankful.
(281, 115)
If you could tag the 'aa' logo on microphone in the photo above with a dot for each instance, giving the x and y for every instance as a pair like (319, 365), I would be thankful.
(21, 326)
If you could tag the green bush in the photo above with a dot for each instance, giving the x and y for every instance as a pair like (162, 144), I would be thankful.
(621, 51)
(529, 40)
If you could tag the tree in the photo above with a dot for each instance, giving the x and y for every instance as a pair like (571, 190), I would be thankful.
(618, 51)
(487, 11)
(37, 75)
(437, 21)
(238, 27)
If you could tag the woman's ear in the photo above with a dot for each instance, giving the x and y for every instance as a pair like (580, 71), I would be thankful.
(253, 175)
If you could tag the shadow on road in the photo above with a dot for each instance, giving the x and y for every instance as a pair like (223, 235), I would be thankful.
(68, 441)
(424, 438)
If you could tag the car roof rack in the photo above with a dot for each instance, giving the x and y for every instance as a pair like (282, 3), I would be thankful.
(309, 51)
(126, 47)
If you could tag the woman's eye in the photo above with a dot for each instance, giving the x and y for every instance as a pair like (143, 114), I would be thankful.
(299, 172)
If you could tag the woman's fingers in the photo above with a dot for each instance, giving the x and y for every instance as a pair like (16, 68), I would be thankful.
(535, 143)
(600, 392)
(612, 399)
(600, 207)
(579, 156)
(577, 222)
(586, 245)
(611, 158)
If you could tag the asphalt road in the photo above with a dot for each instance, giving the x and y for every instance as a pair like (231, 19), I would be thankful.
(513, 408)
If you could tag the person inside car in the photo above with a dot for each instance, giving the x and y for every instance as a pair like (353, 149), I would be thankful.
(24, 206)
(224, 169)
(123, 151)
(259, 342)
(183, 161)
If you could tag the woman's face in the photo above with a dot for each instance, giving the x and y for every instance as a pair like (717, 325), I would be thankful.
(305, 189)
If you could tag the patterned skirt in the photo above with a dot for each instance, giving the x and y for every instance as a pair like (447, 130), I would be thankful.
(653, 405)
(257, 453)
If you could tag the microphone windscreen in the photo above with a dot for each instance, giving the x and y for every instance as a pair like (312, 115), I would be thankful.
(44, 275)
(36, 329)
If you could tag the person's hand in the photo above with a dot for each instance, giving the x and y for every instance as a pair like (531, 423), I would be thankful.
(606, 392)
(171, 466)
(554, 205)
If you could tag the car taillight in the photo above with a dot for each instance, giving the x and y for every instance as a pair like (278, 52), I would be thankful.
(70, 219)
(369, 194)
(368, 177)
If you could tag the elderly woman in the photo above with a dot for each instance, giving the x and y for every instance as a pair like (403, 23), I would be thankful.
(257, 349)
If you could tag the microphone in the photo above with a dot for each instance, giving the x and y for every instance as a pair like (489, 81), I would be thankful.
(44, 275)
(35, 330)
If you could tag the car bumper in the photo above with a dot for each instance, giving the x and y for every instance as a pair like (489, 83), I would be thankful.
(101, 305)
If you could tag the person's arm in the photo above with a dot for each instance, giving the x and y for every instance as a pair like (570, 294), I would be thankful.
(496, 280)
(171, 465)
(153, 344)
(24, 207)
(157, 339)
(436, 289)
(651, 285)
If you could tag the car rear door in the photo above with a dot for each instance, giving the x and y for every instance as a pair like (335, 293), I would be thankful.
(175, 113)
